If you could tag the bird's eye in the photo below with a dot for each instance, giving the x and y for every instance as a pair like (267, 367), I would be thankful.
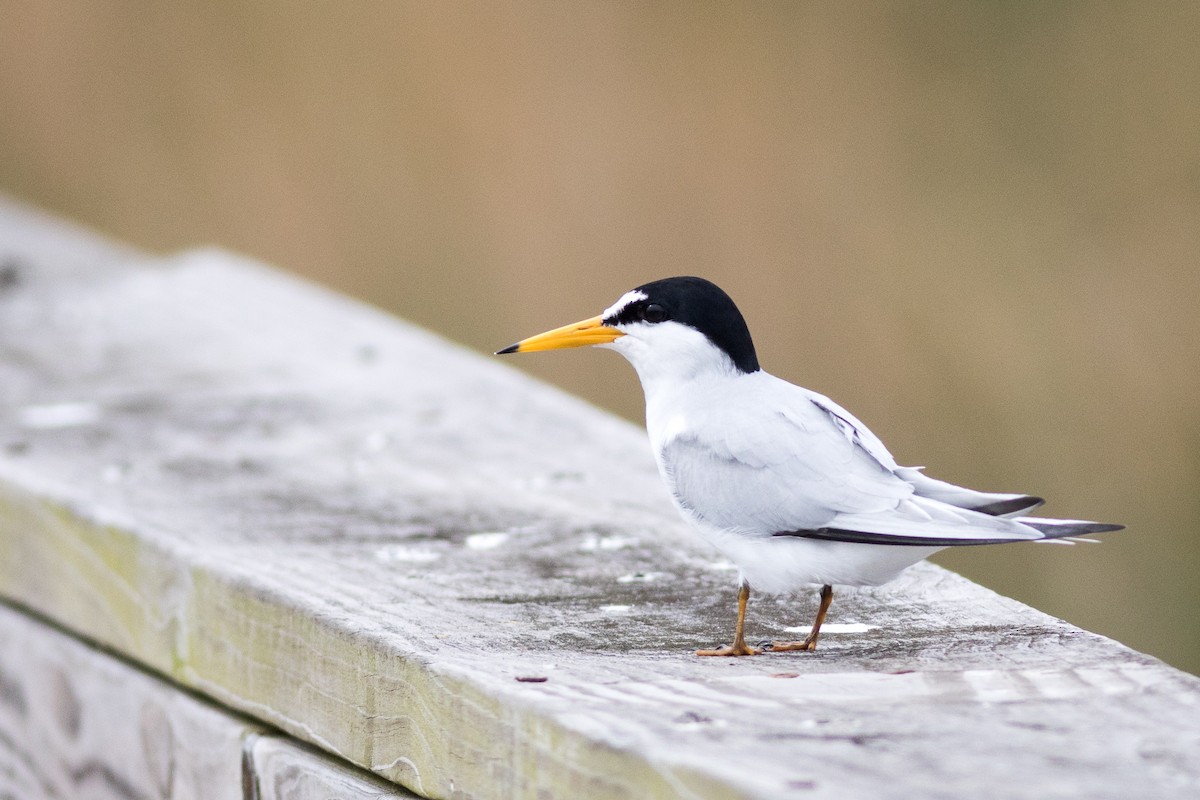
(654, 313)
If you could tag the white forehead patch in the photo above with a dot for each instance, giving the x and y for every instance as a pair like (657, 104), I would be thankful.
(627, 298)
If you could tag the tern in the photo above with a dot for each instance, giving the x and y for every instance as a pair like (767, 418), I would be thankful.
(784, 482)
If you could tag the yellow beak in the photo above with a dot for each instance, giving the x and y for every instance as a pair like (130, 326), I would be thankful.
(577, 334)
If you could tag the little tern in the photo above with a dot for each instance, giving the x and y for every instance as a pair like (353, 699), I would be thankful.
(785, 483)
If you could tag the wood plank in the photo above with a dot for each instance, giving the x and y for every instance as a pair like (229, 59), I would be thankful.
(285, 770)
(78, 723)
(351, 529)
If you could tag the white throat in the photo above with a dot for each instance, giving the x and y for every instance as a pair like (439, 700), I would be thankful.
(669, 357)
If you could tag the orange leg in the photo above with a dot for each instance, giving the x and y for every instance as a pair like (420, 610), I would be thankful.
(810, 642)
(739, 646)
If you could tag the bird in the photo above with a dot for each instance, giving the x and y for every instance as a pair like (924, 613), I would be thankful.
(786, 484)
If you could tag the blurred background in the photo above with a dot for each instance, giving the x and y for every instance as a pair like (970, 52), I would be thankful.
(975, 225)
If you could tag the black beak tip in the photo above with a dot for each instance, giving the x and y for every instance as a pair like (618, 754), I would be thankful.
(512, 348)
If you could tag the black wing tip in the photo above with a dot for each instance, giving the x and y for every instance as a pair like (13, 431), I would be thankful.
(1053, 529)
(1048, 531)
(512, 348)
(1100, 527)
(1011, 506)
(864, 537)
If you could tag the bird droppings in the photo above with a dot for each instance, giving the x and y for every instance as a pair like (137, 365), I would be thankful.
(592, 543)
(834, 627)
(532, 678)
(486, 541)
(722, 566)
(58, 415)
(616, 609)
(406, 554)
(643, 577)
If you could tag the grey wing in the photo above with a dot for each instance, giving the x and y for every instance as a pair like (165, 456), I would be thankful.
(800, 465)
(783, 465)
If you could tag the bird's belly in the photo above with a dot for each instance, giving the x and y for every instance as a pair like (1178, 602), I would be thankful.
(781, 564)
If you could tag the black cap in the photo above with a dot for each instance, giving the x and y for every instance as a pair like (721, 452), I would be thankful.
(699, 304)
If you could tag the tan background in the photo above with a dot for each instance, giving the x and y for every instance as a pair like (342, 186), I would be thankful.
(975, 225)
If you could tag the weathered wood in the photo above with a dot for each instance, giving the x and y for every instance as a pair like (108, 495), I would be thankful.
(348, 528)
(77, 723)
(287, 771)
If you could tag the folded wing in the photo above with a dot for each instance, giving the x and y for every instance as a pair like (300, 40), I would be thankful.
(800, 465)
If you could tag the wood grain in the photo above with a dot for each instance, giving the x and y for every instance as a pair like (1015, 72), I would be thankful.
(285, 770)
(79, 723)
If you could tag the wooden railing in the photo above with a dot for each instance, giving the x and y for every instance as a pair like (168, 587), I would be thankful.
(258, 541)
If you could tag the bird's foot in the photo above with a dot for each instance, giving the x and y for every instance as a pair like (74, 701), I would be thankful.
(735, 649)
(808, 644)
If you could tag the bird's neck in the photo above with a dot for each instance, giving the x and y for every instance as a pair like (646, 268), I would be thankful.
(674, 377)
(671, 395)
